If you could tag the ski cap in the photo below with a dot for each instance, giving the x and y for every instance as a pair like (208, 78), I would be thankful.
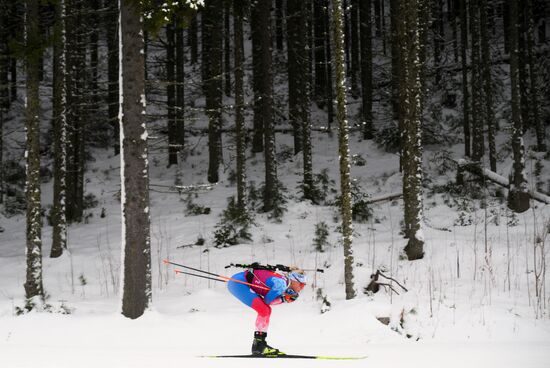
(297, 276)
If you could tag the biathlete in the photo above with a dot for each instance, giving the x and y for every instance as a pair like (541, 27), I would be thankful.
(269, 288)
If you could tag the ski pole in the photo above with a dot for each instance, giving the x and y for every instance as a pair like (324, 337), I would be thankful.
(223, 278)
(190, 268)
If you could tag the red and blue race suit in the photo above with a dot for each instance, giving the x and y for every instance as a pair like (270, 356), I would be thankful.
(267, 290)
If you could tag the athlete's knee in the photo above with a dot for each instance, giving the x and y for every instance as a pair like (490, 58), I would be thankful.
(259, 306)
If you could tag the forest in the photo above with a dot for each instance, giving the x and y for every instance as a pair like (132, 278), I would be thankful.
(396, 152)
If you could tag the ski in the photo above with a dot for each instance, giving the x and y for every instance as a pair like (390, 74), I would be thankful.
(288, 356)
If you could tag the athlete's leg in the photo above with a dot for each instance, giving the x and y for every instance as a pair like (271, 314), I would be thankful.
(250, 298)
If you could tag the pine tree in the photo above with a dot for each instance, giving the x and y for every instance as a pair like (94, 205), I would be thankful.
(59, 219)
(518, 195)
(410, 99)
(341, 116)
(33, 284)
(136, 243)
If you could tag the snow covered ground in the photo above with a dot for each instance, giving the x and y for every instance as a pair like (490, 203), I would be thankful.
(466, 307)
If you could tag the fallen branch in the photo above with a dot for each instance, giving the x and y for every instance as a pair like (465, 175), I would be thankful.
(476, 169)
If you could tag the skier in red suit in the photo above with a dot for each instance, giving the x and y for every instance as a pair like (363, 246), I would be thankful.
(270, 288)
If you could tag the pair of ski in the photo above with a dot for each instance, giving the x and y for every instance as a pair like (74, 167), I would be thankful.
(288, 356)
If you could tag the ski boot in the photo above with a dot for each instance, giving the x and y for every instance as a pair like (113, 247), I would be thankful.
(260, 347)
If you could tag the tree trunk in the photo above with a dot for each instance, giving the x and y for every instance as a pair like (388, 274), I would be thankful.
(296, 50)
(240, 136)
(320, 53)
(341, 116)
(477, 87)
(279, 16)
(227, 47)
(112, 72)
(33, 283)
(354, 38)
(538, 123)
(271, 193)
(192, 36)
(518, 195)
(136, 247)
(255, 25)
(76, 115)
(488, 112)
(465, 93)
(411, 91)
(180, 95)
(212, 14)
(328, 61)
(171, 92)
(59, 219)
(366, 68)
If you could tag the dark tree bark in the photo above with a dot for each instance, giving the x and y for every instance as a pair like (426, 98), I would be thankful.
(255, 25)
(438, 37)
(465, 93)
(476, 85)
(192, 38)
(296, 78)
(328, 59)
(271, 192)
(136, 284)
(171, 92)
(297, 16)
(94, 54)
(212, 14)
(366, 68)
(410, 93)
(343, 146)
(533, 80)
(33, 47)
(4, 56)
(279, 32)
(525, 104)
(59, 218)
(112, 71)
(180, 95)
(518, 195)
(240, 137)
(227, 48)
(354, 45)
(76, 115)
(320, 52)
(488, 112)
